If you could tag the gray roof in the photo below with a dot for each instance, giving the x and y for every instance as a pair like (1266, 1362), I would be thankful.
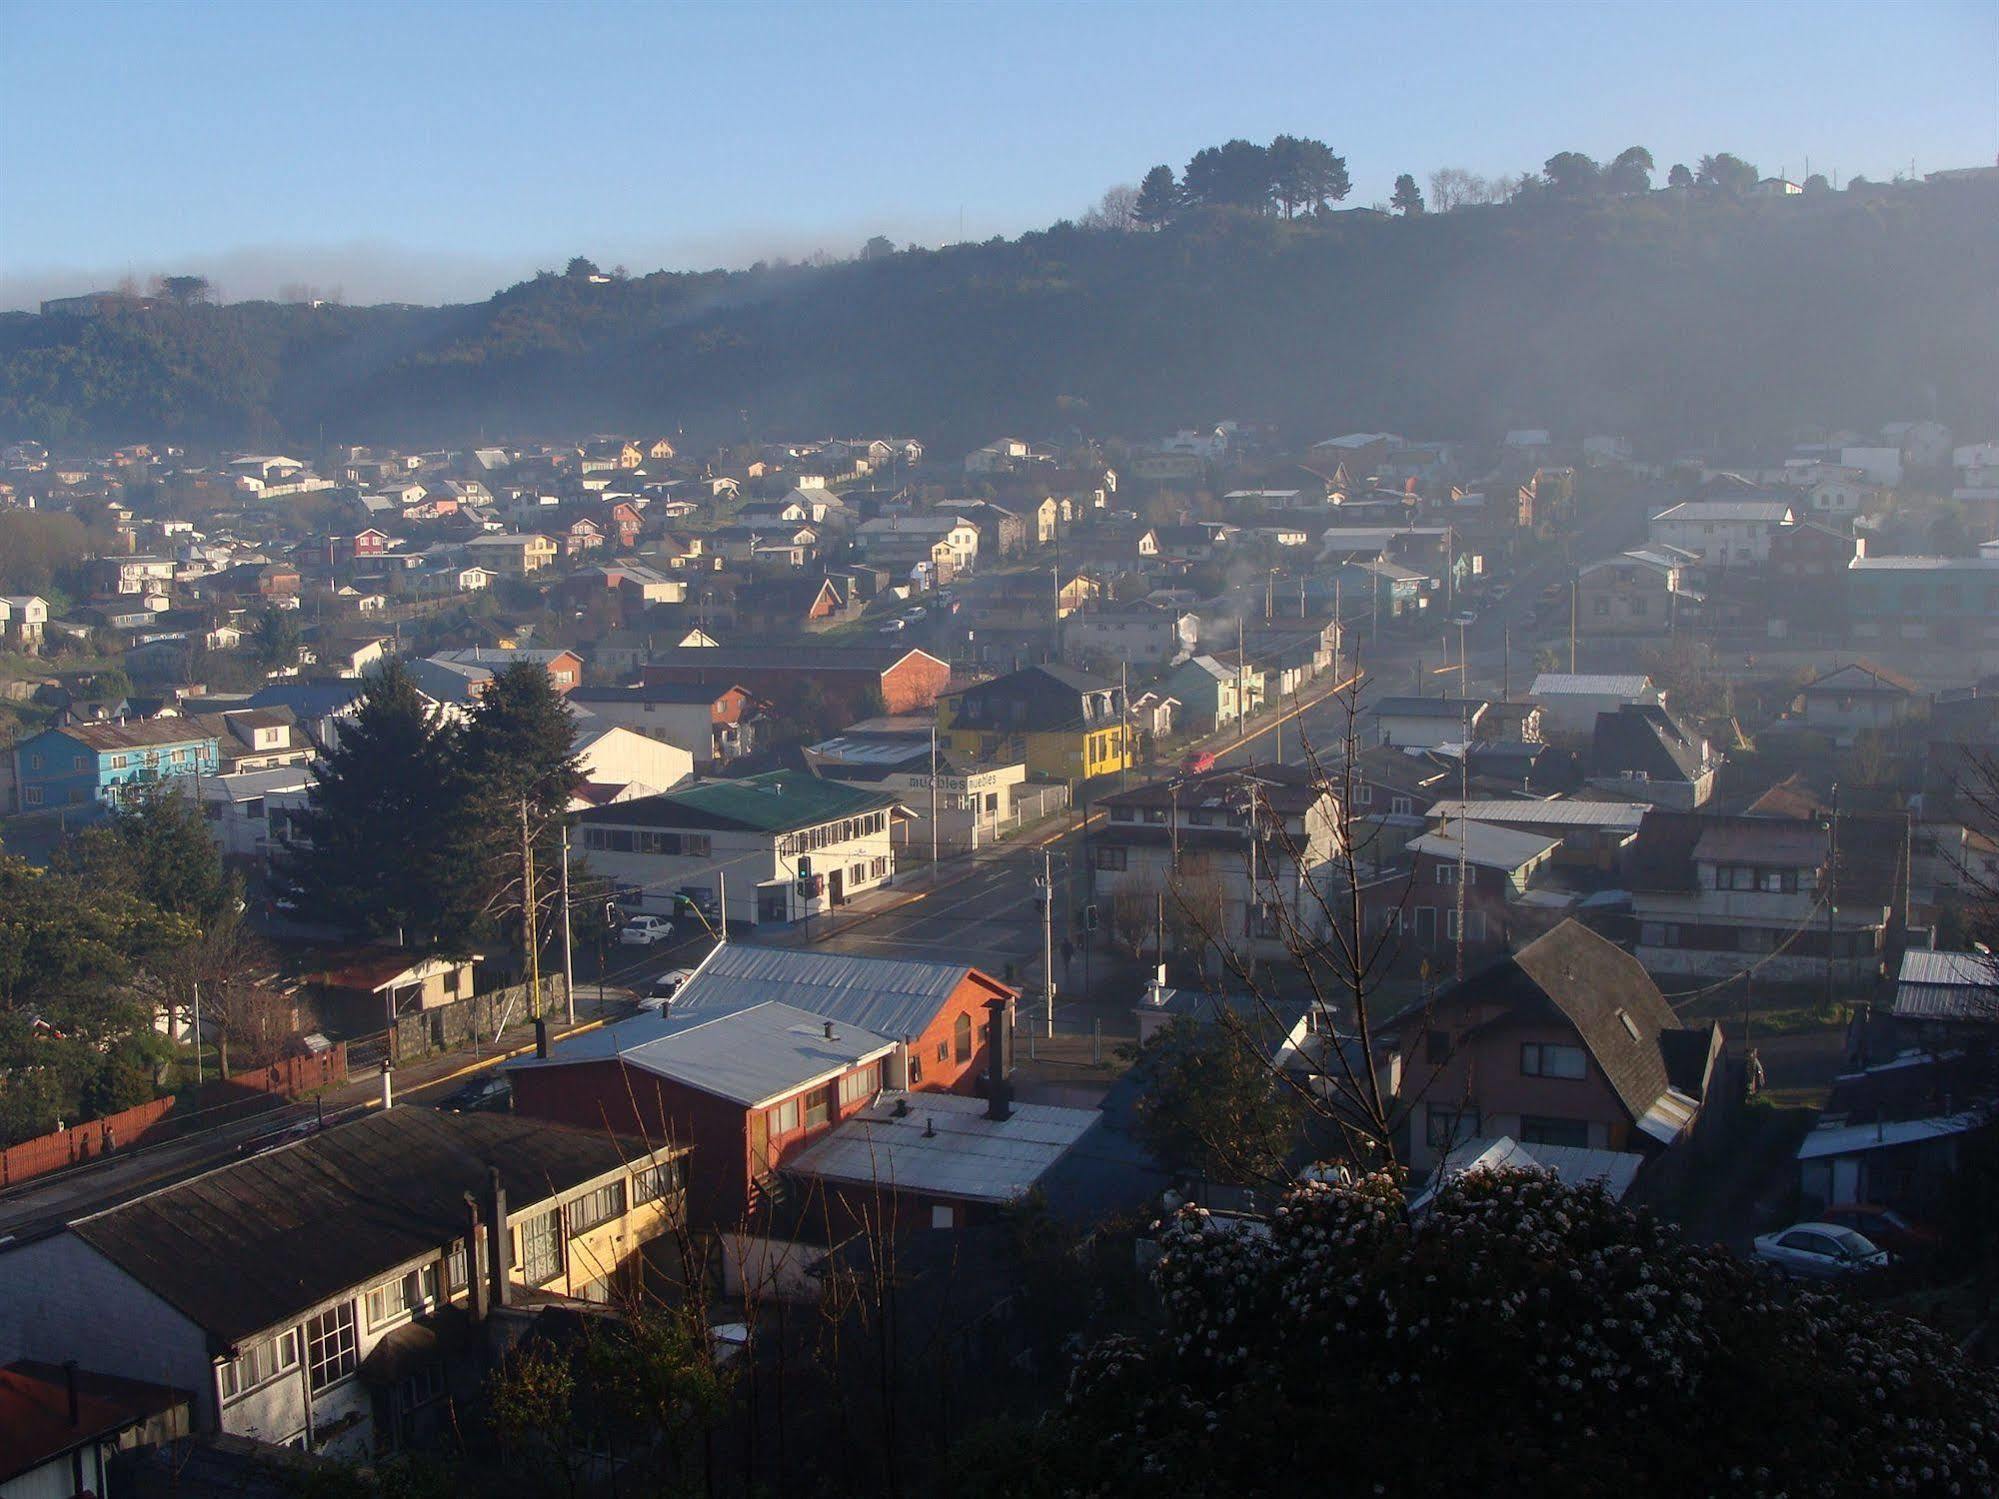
(1431, 707)
(1486, 846)
(945, 1146)
(896, 996)
(1630, 686)
(749, 1056)
(256, 1242)
(1624, 816)
(1947, 986)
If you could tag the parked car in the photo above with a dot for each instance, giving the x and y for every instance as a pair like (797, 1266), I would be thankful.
(1464, 619)
(662, 989)
(913, 615)
(490, 1092)
(1883, 1226)
(892, 627)
(1819, 1251)
(643, 931)
(1198, 761)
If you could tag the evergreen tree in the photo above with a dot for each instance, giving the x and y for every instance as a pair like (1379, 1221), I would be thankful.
(275, 638)
(156, 847)
(1235, 174)
(1679, 176)
(1408, 197)
(1572, 174)
(1158, 196)
(520, 743)
(1305, 174)
(1726, 174)
(385, 846)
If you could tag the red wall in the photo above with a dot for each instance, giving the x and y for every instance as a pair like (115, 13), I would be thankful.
(952, 1076)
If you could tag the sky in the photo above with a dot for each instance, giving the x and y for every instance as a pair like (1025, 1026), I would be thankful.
(437, 150)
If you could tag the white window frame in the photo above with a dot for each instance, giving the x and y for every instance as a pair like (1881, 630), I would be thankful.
(334, 1352)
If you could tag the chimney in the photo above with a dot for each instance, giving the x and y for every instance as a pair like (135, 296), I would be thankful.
(475, 1284)
(497, 1258)
(829, 1030)
(998, 1105)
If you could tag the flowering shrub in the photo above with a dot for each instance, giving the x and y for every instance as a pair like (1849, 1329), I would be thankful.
(1523, 1333)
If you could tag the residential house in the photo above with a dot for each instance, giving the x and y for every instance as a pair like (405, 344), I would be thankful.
(1065, 724)
(1566, 1042)
(1948, 600)
(1495, 863)
(310, 1294)
(620, 764)
(971, 803)
(943, 538)
(863, 679)
(24, 617)
(1946, 999)
(1427, 722)
(767, 849)
(790, 606)
(249, 812)
(1712, 895)
(62, 1427)
(509, 555)
(1636, 592)
(99, 764)
(1233, 851)
(1571, 701)
(1857, 698)
(1592, 835)
(1645, 752)
(1892, 1133)
(1723, 533)
(709, 724)
(129, 576)
(1140, 633)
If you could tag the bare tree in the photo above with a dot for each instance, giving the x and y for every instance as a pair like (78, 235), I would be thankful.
(1117, 210)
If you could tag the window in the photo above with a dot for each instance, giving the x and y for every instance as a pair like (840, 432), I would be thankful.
(961, 1037)
(1111, 856)
(1363, 794)
(31, 796)
(784, 1118)
(916, 1065)
(600, 1206)
(1658, 934)
(422, 1386)
(1550, 1059)
(259, 1363)
(392, 1299)
(1400, 806)
(1537, 1131)
(330, 1347)
(1447, 874)
(860, 1084)
(1601, 607)
(1449, 1127)
(654, 1182)
(943, 1217)
(541, 1247)
(817, 1109)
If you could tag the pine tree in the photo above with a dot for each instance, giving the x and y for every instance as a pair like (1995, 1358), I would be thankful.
(384, 847)
(1158, 196)
(520, 743)
(1408, 198)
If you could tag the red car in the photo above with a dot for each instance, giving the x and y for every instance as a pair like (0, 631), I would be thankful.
(1198, 761)
(1886, 1227)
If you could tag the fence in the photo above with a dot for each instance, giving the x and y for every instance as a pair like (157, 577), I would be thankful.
(234, 1097)
(479, 1021)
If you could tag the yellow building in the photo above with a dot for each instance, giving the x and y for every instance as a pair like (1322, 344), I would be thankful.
(1063, 723)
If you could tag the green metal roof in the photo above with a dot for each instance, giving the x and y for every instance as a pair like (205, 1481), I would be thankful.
(777, 801)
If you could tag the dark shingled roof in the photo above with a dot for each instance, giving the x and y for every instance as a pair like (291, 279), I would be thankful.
(247, 1246)
(1645, 737)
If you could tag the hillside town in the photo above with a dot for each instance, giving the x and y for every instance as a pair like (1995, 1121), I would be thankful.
(934, 867)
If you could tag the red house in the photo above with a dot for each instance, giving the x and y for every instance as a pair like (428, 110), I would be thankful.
(762, 1052)
(907, 679)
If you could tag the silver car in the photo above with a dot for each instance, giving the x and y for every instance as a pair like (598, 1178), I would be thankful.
(1819, 1251)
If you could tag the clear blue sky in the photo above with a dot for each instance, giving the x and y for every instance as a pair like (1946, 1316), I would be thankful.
(443, 147)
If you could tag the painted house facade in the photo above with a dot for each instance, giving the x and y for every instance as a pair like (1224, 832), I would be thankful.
(101, 764)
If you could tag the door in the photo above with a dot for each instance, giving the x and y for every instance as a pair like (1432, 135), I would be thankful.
(836, 887)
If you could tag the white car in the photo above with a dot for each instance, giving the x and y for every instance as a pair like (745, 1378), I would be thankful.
(893, 626)
(662, 989)
(643, 931)
(1819, 1251)
(913, 615)
(1465, 618)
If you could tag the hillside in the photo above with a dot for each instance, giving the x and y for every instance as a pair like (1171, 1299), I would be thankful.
(1673, 320)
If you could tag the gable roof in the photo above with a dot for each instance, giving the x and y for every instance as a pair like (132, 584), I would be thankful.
(1863, 676)
(1644, 737)
(1486, 846)
(262, 1240)
(897, 997)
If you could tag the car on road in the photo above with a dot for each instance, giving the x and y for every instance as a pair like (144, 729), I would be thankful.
(1883, 1226)
(1464, 619)
(483, 1094)
(659, 993)
(893, 626)
(1819, 1251)
(913, 615)
(1198, 761)
(291, 1134)
(643, 931)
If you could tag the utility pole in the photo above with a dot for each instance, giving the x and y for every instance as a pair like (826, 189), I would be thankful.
(197, 1033)
(1241, 681)
(1831, 891)
(528, 936)
(1462, 689)
(1506, 666)
(1572, 626)
(933, 803)
(1464, 861)
(568, 957)
(1124, 725)
(1048, 935)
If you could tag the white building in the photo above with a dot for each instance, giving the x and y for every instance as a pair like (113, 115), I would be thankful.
(1570, 701)
(1723, 533)
(621, 764)
(777, 847)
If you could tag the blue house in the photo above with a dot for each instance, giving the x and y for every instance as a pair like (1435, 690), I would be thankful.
(91, 764)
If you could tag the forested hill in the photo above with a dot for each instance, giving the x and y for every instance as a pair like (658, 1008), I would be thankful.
(1674, 319)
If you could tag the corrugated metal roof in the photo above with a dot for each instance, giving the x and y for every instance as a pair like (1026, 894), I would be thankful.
(1625, 816)
(945, 1146)
(896, 996)
(1963, 969)
(1857, 1139)
(1485, 845)
(1574, 1164)
(756, 1055)
(1629, 686)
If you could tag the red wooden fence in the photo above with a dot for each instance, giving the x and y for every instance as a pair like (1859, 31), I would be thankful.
(234, 1097)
